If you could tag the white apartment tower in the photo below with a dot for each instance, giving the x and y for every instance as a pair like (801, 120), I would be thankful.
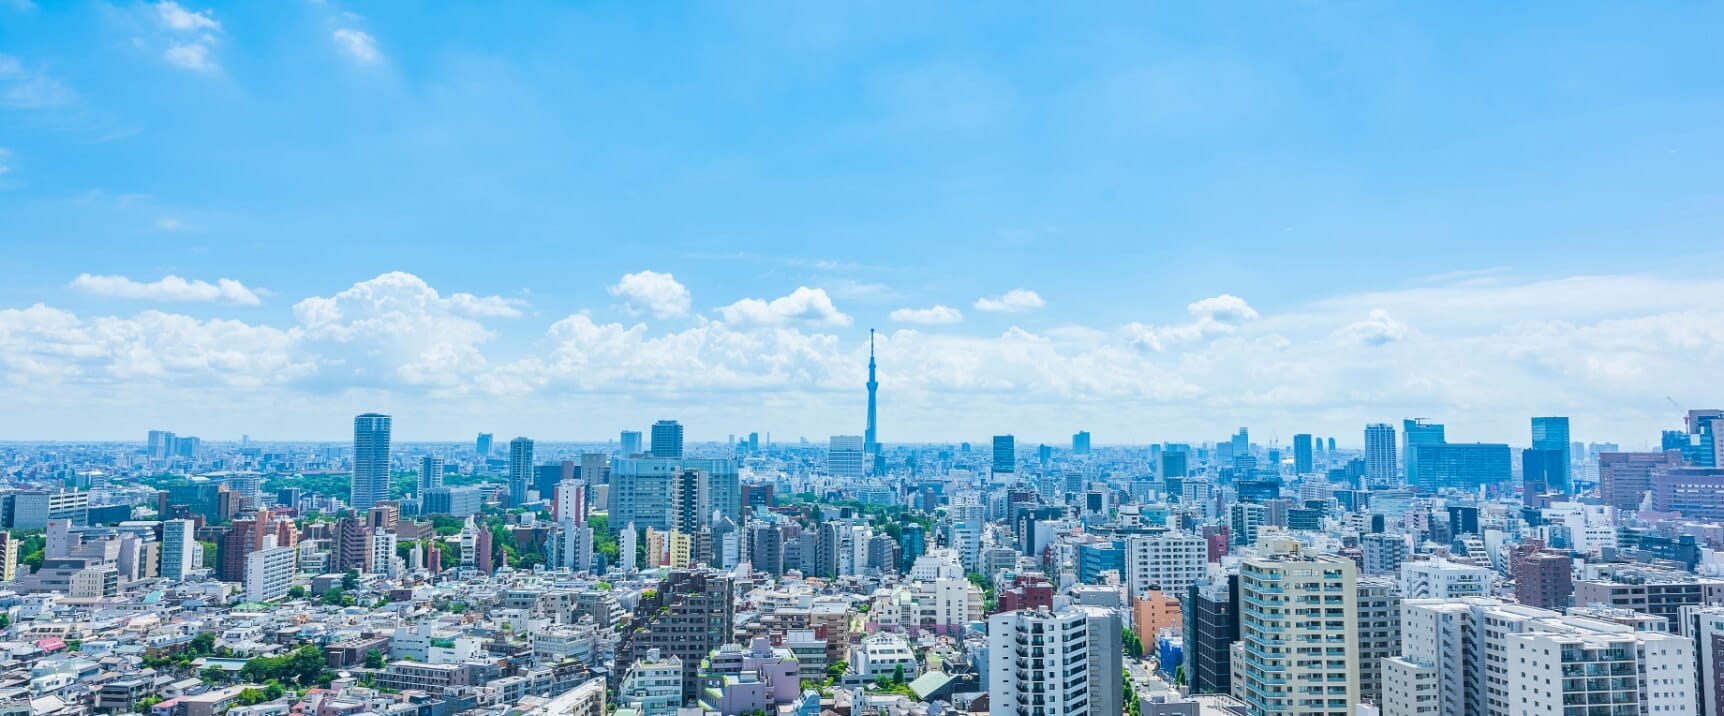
(1298, 648)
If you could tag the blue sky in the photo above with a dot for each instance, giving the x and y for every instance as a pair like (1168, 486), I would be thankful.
(1294, 216)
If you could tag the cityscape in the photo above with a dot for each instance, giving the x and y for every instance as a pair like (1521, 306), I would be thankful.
(839, 359)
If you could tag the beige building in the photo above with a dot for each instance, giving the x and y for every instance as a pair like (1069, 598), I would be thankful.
(1298, 648)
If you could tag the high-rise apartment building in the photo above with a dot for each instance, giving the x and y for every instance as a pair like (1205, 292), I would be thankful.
(1298, 648)
(520, 470)
(667, 439)
(1379, 629)
(1166, 562)
(1544, 580)
(1380, 454)
(430, 474)
(1005, 454)
(1382, 554)
(1047, 663)
(690, 614)
(1442, 579)
(1484, 657)
(370, 460)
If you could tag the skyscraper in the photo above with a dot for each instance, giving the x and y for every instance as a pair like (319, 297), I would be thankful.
(1539, 471)
(871, 437)
(370, 460)
(520, 470)
(1080, 443)
(1417, 432)
(667, 439)
(1005, 453)
(1302, 463)
(1551, 433)
(630, 443)
(482, 446)
(1379, 454)
(430, 474)
(1033, 670)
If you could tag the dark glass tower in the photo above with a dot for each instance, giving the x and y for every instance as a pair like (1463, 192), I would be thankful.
(370, 460)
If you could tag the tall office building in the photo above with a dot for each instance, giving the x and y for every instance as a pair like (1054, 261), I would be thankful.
(844, 455)
(1463, 466)
(1379, 454)
(1054, 663)
(1210, 618)
(1080, 443)
(1415, 433)
(370, 460)
(642, 490)
(1624, 478)
(430, 474)
(1551, 433)
(1005, 454)
(520, 470)
(1311, 601)
(667, 439)
(1302, 461)
(1540, 472)
(482, 446)
(629, 444)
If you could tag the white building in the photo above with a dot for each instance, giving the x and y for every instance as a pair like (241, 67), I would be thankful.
(1064, 663)
(652, 686)
(938, 563)
(268, 572)
(1168, 562)
(882, 654)
(844, 456)
(381, 557)
(1485, 656)
(1442, 579)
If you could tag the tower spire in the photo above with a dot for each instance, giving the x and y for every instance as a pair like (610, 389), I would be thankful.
(870, 439)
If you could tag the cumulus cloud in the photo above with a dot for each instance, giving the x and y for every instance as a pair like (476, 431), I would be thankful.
(1013, 301)
(357, 44)
(168, 288)
(195, 36)
(804, 305)
(1377, 329)
(177, 17)
(659, 294)
(1216, 315)
(432, 353)
(932, 315)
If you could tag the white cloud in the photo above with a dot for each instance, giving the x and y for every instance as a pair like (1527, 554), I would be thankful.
(1013, 301)
(23, 88)
(194, 52)
(179, 18)
(1213, 316)
(932, 315)
(804, 305)
(357, 44)
(169, 288)
(652, 292)
(192, 56)
(1377, 329)
(394, 341)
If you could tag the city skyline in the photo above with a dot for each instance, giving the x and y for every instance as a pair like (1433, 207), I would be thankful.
(1156, 239)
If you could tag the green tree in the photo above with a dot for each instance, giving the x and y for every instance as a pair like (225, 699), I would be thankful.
(350, 580)
(1133, 645)
(5, 619)
(296, 592)
(203, 643)
(374, 659)
(334, 597)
